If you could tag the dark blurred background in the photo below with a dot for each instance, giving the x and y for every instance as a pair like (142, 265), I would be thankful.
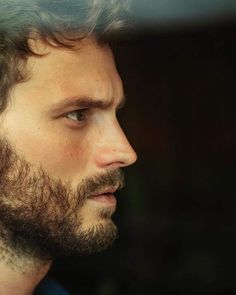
(176, 216)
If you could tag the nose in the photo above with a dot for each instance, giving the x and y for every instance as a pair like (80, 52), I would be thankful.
(114, 149)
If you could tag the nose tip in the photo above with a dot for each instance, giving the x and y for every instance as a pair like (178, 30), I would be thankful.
(129, 157)
(116, 153)
(113, 149)
(123, 153)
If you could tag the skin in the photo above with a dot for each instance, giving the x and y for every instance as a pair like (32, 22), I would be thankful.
(55, 140)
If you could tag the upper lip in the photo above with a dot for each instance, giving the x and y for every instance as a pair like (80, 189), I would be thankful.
(109, 190)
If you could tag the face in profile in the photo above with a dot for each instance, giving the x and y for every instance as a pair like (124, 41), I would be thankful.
(62, 151)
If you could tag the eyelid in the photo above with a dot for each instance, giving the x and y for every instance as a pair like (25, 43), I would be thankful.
(76, 123)
(76, 110)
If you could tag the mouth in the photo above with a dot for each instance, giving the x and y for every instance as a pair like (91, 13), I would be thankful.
(105, 197)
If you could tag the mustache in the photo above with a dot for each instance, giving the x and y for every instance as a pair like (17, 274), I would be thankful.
(93, 185)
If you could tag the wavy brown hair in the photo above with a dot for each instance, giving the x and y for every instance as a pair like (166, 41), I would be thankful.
(57, 22)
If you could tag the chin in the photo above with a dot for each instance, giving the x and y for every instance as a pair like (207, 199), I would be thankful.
(94, 237)
(95, 223)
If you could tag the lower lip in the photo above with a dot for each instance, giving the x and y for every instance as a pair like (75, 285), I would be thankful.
(107, 199)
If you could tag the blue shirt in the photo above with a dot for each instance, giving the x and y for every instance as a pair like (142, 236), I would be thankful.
(50, 287)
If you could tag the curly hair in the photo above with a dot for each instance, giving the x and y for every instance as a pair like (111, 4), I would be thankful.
(58, 22)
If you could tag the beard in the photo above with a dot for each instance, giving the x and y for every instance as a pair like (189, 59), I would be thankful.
(40, 216)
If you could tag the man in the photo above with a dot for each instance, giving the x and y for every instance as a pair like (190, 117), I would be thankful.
(61, 146)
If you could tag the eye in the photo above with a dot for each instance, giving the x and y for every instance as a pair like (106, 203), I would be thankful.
(77, 115)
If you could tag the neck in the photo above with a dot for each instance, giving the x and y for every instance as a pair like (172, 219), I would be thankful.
(20, 275)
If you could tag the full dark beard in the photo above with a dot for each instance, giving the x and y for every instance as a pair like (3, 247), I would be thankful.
(40, 215)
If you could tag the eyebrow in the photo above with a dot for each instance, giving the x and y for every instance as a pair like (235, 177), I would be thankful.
(84, 103)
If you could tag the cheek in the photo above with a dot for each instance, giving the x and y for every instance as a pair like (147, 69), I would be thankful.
(58, 158)
(72, 161)
(63, 160)
(72, 152)
(61, 154)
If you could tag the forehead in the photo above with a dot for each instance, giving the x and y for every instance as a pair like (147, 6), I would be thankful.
(88, 69)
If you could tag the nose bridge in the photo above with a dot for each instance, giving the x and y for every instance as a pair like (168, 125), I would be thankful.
(119, 138)
(116, 145)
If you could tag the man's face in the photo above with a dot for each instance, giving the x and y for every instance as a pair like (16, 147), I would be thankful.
(61, 149)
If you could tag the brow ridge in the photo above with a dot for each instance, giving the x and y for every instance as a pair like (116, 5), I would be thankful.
(84, 102)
